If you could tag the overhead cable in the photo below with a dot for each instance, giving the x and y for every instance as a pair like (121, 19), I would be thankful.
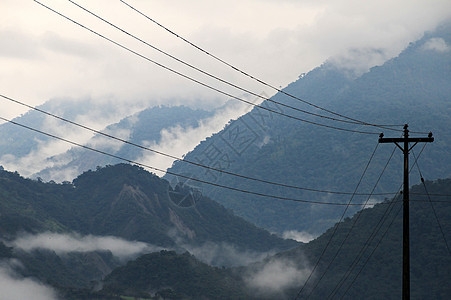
(207, 73)
(370, 239)
(354, 221)
(200, 82)
(257, 79)
(182, 159)
(372, 252)
(177, 174)
(432, 206)
(335, 228)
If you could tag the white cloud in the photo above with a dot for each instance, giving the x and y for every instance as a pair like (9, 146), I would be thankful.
(276, 276)
(436, 44)
(12, 286)
(274, 40)
(178, 141)
(64, 243)
(46, 153)
(300, 236)
(224, 254)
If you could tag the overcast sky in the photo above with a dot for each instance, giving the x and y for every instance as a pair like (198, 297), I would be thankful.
(44, 56)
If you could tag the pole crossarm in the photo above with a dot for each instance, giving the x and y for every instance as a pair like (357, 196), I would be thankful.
(409, 140)
(404, 141)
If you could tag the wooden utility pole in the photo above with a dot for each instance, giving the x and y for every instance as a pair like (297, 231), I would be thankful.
(405, 221)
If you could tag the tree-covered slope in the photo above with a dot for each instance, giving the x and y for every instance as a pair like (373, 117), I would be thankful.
(413, 88)
(128, 202)
(171, 276)
(376, 273)
(121, 201)
(55, 160)
(143, 128)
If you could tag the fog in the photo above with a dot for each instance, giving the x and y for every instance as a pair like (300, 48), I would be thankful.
(225, 254)
(13, 286)
(300, 236)
(178, 141)
(65, 243)
(276, 276)
(47, 56)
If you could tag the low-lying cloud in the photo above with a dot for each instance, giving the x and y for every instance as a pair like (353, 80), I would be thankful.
(276, 276)
(224, 254)
(299, 236)
(436, 44)
(65, 243)
(178, 140)
(13, 286)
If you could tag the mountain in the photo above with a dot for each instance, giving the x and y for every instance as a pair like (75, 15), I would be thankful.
(143, 128)
(86, 206)
(54, 160)
(377, 274)
(17, 142)
(413, 88)
(380, 276)
(127, 203)
(173, 276)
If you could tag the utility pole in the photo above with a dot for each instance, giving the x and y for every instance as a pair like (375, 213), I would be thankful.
(405, 202)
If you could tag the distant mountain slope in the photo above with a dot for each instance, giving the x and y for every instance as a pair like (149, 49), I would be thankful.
(143, 128)
(381, 277)
(129, 202)
(282, 275)
(173, 276)
(413, 88)
(55, 160)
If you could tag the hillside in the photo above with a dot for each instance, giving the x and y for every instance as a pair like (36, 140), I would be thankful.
(173, 276)
(377, 275)
(19, 145)
(413, 88)
(129, 203)
(380, 277)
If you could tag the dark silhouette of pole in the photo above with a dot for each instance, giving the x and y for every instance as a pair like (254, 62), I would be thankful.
(405, 202)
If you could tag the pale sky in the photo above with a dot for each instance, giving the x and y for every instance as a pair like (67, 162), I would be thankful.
(44, 56)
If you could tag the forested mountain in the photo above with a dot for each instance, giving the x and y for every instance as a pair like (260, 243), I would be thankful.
(19, 146)
(413, 88)
(376, 273)
(173, 276)
(143, 128)
(126, 202)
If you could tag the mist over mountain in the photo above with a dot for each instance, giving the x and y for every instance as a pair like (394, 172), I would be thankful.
(113, 214)
(413, 88)
(143, 128)
(57, 160)
(121, 231)
(369, 262)
(168, 129)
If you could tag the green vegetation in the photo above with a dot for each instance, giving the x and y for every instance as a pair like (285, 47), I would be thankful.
(186, 277)
(123, 201)
(414, 87)
(381, 277)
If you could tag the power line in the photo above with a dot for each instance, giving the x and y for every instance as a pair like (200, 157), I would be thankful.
(207, 73)
(336, 226)
(179, 158)
(355, 219)
(199, 82)
(432, 206)
(367, 243)
(177, 174)
(365, 246)
(372, 252)
(255, 78)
